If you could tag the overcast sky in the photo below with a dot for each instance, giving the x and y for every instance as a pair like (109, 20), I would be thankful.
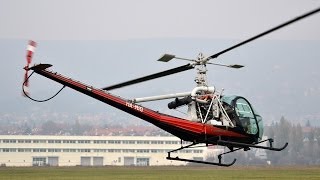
(136, 19)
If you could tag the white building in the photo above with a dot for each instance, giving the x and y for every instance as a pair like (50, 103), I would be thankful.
(26, 150)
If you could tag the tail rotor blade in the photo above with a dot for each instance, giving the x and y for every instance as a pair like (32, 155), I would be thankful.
(26, 81)
(30, 50)
(25, 85)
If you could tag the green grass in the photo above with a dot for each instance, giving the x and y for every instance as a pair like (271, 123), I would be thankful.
(167, 173)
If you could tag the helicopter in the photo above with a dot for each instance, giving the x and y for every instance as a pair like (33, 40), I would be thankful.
(212, 117)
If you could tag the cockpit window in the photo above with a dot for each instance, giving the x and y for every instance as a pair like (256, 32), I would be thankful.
(244, 109)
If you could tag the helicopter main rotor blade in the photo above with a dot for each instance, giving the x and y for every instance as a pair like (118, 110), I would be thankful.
(265, 33)
(149, 77)
(235, 66)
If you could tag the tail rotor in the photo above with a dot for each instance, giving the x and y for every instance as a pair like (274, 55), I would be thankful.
(30, 50)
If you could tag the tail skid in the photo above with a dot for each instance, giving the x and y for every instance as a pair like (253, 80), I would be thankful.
(38, 67)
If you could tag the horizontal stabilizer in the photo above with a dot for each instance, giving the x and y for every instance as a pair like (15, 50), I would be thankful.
(40, 67)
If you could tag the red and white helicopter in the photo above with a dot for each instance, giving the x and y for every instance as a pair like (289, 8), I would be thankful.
(213, 118)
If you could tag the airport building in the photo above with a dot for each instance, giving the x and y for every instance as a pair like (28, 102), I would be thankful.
(35, 150)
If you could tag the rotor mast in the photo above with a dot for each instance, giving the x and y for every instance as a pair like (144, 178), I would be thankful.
(201, 78)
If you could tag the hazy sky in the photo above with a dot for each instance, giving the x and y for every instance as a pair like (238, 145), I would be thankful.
(128, 19)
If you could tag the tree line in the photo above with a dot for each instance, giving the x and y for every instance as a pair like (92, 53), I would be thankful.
(304, 143)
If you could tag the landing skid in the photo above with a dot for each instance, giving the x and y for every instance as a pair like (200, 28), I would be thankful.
(229, 144)
(201, 162)
(197, 161)
(244, 145)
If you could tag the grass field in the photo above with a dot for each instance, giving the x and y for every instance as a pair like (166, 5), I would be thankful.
(167, 173)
